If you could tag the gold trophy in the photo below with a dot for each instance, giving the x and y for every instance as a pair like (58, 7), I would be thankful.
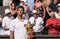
(30, 32)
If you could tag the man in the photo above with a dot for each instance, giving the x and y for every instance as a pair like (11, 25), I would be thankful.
(37, 21)
(6, 21)
(17, 29)
(52, 24)
(53, 5)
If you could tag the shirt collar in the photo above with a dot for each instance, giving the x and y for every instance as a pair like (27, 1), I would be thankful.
(19, 20)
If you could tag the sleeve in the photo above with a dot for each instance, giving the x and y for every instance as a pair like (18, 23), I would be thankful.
(12, 27)
(4, 22)
(41, 22)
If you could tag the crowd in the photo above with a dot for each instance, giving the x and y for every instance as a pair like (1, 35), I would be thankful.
(44, 16)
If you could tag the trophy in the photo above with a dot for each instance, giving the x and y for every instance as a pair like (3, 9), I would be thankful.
(29, 29)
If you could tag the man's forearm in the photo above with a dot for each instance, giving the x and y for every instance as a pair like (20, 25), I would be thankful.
(11, 35)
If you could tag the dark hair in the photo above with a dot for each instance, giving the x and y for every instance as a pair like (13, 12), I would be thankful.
(21, 7)
(14, 4)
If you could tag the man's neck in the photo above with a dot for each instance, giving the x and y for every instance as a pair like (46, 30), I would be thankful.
(20, 18)
(53, 17)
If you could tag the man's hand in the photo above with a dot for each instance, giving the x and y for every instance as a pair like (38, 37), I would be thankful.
(5, 28)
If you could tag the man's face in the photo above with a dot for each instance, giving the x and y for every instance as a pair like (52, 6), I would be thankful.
(20, 11)
(52, 14)
(35, 15)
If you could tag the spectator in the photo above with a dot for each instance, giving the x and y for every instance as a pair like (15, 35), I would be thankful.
(39, 6)
(6, 21)
(13, 9)
(53, 5)
(7, 2)
(17, 29)
(1, 21)
(38, 23)
(57, 13)
(51, 24)
(26, 7)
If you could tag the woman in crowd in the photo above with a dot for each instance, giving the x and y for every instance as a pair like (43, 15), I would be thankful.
(39, 6)
(13, 9)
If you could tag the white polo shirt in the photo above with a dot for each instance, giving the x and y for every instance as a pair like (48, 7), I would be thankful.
(6, 21)
(18, 27)
(38, 24)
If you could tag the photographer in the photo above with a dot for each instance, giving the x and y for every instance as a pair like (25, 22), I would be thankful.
(52, 24)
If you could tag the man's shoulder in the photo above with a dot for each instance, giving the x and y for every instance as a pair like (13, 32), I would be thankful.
(31, 17)
(39, 18)
(5, 18)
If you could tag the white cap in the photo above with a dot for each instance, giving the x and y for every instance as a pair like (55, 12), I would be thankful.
(7, 11)
(34, 11)
(23, 0)
(58, 5)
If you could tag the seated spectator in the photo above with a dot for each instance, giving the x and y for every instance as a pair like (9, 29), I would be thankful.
(6, 21)
(39, 6)
(1, 21)
(53, 5)
(57, 13)
(7, 2)
(37, 21)
(13, 10)
(52, 24)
